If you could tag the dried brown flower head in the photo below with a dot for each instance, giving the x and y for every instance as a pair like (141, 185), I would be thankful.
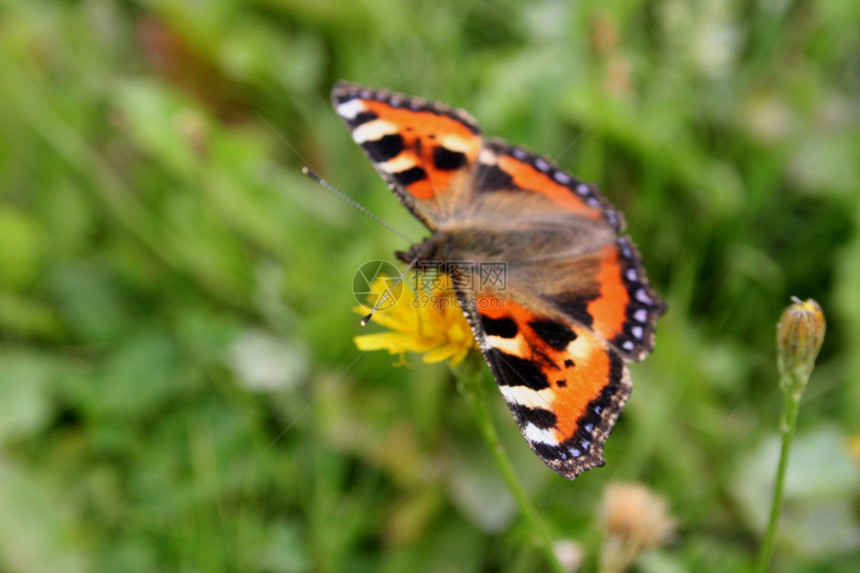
(633, 519)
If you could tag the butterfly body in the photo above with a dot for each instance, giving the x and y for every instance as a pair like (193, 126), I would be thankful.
(567, 301)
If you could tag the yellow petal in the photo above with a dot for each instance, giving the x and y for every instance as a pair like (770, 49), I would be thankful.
(440, 354)
(394, 342)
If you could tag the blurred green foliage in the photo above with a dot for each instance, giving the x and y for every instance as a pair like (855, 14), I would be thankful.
(179, 390)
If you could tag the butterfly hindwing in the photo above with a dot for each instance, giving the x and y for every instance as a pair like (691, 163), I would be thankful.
(611, 295)
(601, 283)
(564, 385)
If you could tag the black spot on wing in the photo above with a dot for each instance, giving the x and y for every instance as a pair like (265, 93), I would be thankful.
(491, 178)
(575, 306)
(545, 452)
(568, 363)
(385, 148)
(360, 118)
(513, 371)
(540, 417)
(503, 327)
(616, 371)
(447, 160)
(557, 334)
(409, 176)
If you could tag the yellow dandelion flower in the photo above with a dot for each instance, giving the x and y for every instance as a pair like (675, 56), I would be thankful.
(426, 321)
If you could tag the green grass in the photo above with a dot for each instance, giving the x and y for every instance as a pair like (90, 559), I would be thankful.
(179, 390)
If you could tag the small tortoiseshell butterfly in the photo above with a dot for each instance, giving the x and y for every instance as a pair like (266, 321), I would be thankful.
(576, 303)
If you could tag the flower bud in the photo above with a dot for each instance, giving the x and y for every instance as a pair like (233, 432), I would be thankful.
(799, 336)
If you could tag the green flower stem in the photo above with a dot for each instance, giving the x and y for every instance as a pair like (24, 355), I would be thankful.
(469, 376)
(799, 335)
(789, 423)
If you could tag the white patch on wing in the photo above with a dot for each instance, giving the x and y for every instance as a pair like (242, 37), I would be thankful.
(350, 109)
(581, 349)
(535, 434)
(487, 157)
(400, 163)
(373, 130)
(457, 143)
(525, 396)
(513, 346)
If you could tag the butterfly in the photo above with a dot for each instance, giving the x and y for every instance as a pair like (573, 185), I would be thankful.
(573, 304)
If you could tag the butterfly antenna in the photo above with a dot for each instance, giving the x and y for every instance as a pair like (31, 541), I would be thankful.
(388, 292)
(353, 203)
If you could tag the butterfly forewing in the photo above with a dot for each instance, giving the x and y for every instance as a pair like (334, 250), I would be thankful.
(423, 150)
